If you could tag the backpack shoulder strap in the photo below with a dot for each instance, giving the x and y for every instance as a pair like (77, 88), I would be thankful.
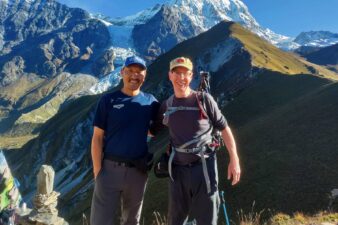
(201, 96)
(170, 101)
(169, 104)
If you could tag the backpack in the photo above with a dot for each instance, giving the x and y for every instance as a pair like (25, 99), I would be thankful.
(163, 168)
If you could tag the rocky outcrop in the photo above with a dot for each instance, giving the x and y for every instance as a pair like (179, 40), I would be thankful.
(12, 70)
(163, 31)
(333, 204)
(104, 64)
(49, 37)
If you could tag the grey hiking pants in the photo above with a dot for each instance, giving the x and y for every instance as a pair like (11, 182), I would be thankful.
(188, 195)
(117, 189)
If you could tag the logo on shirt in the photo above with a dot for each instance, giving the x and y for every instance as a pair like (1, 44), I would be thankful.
(119, 106)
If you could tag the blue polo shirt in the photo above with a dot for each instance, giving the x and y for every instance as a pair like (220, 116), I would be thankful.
(126, 120)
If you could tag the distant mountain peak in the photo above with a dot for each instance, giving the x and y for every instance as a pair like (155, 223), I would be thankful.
(317, 38)
(207, 13)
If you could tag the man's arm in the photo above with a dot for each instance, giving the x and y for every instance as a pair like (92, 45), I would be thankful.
(234, 169)
(97, 149)
(157, 126)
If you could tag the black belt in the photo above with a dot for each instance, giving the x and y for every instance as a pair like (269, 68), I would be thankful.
(118, 162)
(192, 164)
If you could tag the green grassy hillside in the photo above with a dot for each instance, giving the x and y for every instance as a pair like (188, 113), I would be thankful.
(289, 150)
(326, 56)
(265, 55)
(32, 105)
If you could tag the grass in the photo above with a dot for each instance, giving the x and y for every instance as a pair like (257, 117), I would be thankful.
(21, 87)
(250, 218)
(15, 142)
(322, 71)
(300, 218)
(266, 55)
(285, 144)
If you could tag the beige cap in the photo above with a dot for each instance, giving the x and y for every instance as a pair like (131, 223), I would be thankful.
(181, 61)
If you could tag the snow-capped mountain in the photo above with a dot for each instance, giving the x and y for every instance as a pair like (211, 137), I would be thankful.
(317, 38)
(183, 19)
(138, 18)
(207, 13)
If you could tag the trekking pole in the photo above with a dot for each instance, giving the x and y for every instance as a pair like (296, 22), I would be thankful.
(84, 219)
(224, 208)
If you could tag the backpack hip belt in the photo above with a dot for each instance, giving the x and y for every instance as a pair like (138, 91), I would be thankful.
(208, 146)
(200, 151)
(204, 141)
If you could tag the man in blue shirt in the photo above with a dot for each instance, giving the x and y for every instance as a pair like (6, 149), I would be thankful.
(119, 148)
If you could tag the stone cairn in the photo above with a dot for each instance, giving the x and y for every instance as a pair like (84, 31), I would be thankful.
(45, 202)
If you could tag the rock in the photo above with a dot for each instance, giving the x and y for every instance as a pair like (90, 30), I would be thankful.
(162, 32)
(45, 201)
(45, 180)
(334, 193)
(12, 70)
(48, 69)
(333, 203)
(104, 64)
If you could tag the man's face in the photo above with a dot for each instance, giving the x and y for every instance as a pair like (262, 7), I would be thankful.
(180, 77)
(133, 77)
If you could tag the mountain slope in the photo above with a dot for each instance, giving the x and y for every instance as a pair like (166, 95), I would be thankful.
(285, 127)
(270, 57)
(49, 54)
(27, 105)
(327, 56)
(263, 108)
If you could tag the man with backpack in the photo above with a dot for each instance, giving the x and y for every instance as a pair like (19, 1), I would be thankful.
(192, 118)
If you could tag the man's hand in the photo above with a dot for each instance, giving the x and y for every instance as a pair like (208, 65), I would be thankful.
(234, 171)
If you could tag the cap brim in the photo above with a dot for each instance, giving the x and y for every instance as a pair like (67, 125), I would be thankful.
(181, 65)
(139, 64)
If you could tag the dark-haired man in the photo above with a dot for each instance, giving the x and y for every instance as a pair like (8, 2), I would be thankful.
(119, 148)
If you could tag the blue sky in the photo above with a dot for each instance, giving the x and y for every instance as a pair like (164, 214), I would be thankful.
(287, 17)
(290, 17)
